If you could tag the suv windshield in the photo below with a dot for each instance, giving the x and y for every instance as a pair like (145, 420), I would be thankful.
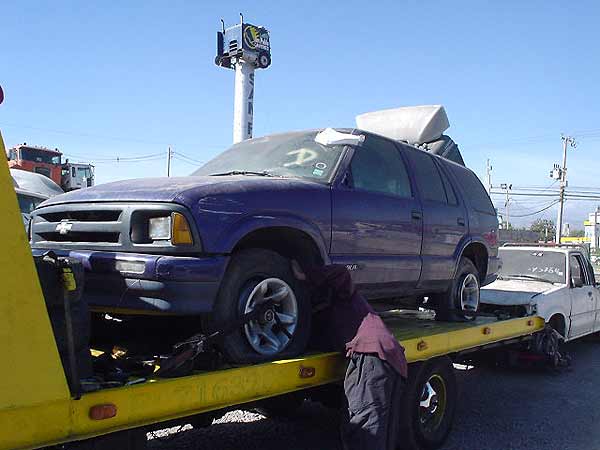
(533, 264)
(289, 155)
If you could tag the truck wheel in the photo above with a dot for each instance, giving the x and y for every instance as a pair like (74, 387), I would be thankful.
(428, 405)
(252, 277)
(463, 296)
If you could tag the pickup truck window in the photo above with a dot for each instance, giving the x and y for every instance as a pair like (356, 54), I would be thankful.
(287, 154)
(577, 269)
(427, 176)
(378, 167)
(533, 265)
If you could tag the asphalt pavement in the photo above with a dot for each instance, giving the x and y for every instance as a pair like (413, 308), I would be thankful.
(498, 409)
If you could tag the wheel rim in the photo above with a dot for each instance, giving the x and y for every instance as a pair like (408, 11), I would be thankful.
(432, 405)
(271, 333)
(469, 293)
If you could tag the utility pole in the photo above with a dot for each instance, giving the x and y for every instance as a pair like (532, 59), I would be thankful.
(169, 156)
(507, 188)
(560, 173)
(488, 172)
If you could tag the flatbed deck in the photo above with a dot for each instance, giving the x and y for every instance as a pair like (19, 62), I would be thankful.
(162, 400)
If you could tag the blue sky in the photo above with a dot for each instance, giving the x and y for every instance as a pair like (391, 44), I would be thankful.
(107, 79)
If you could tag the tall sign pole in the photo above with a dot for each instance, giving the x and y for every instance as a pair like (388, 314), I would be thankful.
(243, 105)
(244, 48)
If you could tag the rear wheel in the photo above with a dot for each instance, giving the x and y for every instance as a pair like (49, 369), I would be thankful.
(253, 277)
(463, 296)
(428, 405)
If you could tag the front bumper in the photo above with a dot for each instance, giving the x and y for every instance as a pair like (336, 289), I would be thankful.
(148, 284)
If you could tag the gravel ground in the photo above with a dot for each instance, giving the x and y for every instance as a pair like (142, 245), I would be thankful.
(498, 409)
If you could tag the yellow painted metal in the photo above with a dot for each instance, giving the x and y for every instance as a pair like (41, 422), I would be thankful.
(31, 374)
(162, 400)
(36, 409)
(425, 339)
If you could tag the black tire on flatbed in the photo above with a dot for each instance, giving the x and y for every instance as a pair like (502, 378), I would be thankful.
(427, 428)
(448, 305)
(245, 271)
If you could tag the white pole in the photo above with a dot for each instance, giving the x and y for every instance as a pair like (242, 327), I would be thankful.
(243, 109)
(169, 162)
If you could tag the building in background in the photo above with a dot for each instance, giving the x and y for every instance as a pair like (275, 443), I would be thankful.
(592, 231)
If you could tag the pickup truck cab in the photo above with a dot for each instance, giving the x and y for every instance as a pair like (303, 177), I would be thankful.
(556, 283)
(407, 224)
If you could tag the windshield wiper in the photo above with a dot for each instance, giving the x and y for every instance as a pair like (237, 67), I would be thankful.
(242, 172)
(529, 277)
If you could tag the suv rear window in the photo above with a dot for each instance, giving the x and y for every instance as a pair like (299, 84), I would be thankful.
(473, 190)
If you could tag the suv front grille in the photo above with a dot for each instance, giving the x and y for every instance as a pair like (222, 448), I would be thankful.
(102, 226)
(84, 216)
(81, 236)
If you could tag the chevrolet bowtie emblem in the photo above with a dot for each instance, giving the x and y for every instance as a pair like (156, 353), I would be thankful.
(64, 227)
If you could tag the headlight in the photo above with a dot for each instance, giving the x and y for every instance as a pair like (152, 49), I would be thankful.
(159, 228)
(174, 228)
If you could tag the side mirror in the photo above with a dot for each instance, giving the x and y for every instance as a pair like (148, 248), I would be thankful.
(576, 282)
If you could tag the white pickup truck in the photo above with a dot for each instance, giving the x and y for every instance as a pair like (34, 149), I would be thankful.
(553, 282)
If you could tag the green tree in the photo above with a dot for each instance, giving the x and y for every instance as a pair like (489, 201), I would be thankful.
(577, 233)
(545, 228)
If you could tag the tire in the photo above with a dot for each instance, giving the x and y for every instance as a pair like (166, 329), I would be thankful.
(449, 306)
(264, 60)
(250, 271)
(424, 427)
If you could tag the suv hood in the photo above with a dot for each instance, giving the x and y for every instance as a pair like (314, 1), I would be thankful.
(183, 190)
(514, 292)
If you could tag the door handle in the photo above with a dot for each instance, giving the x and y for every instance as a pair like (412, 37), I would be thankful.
(591, 296)
(460, 221)
(416, 215)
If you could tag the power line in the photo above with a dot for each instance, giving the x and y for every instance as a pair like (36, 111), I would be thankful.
(538, 211)
(179, 158)
(189, 158)
(80, 134)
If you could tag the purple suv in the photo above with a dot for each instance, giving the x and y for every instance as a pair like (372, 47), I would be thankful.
(409, 225)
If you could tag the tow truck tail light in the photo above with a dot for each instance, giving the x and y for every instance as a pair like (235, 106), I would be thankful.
(103, 411)
(180, 232)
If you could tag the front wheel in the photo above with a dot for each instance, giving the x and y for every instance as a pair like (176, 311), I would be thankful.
(462, 300)
(282, 331)
(428, 405)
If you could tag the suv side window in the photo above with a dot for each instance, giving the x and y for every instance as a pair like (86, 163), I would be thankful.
(450, 194)
(427, 177)
(473, 189)
(378, 167)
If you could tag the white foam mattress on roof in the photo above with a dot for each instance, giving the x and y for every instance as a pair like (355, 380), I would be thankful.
(413, 124)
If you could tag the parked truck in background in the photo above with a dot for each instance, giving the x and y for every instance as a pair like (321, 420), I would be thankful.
(48, 162)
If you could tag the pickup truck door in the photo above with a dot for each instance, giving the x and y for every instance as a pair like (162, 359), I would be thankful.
(583, 300)
(377, 220)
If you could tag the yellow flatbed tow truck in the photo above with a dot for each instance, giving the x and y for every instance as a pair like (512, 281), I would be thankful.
(38, 410)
